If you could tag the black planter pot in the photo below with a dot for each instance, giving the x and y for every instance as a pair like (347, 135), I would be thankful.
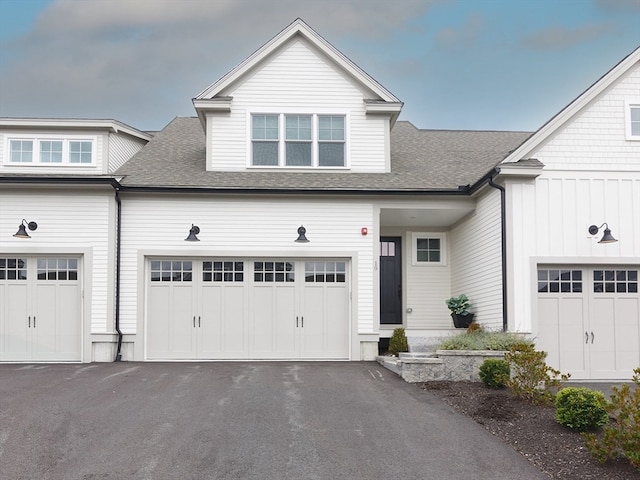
(462, 321)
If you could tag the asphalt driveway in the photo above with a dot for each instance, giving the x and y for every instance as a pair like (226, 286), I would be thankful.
(237, 421)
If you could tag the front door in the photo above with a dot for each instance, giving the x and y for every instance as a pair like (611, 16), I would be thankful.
(390, 281)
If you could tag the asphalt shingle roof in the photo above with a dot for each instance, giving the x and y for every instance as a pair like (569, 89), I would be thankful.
(421, 160)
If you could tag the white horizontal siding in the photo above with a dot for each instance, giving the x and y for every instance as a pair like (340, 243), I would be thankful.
(476, 260)
(427, 289)
(595, 138)
(297, 80)
(66, 220)
(121, 149)
(244, 228)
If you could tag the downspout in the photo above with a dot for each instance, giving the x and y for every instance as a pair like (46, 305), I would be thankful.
(117, 306)
(503, 231)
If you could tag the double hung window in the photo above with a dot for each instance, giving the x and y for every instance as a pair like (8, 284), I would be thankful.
(293, 140)
(632, 120)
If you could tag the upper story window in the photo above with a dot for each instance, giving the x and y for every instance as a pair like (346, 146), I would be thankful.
(632, 120)
(52, 151)
(280, 140)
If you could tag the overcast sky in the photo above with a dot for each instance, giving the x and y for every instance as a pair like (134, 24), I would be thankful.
(456, 64)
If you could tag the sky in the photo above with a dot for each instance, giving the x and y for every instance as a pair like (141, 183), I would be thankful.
(456, 64)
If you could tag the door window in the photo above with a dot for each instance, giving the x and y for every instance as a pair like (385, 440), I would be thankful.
(615, 281)
(559, 281)
(13, 268)
(171, 270)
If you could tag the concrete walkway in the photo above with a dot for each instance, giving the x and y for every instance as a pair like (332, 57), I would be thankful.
(237, 421)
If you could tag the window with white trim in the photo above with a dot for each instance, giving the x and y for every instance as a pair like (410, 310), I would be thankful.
(429, 249)
(51, 150)
(632, 120)
(298, 140)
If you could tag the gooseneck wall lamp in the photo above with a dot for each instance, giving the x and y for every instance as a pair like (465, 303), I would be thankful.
(22, 229)
(607, 237)
(302, 238)
(193, 231)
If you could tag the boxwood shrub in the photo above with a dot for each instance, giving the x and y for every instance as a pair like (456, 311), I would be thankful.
(581, 408)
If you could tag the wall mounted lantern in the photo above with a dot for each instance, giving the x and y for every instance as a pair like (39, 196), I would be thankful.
(22, 229)
(302, 238)
(607, 237)
(195, 230)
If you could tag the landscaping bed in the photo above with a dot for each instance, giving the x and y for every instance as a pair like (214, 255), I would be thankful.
(531, 429)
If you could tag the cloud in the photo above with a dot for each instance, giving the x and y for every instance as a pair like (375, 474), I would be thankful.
(557, 38)
(621, 5)
(142, 59)
(462, 37)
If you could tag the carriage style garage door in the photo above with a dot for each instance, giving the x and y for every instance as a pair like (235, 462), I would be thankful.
(247, 309)
(589, 320)
(40, 305)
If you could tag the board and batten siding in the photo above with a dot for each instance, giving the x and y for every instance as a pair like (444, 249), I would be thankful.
(52, 169)
(595, 139)
(69, 222)
(121, 149)
(240, 228)
(476, 260)
(427, 288)
(549, 218)
(297, 80)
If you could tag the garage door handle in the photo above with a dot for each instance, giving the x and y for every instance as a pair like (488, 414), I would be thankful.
(296, 322)
(194, 321)
(29, 321)
(586, 335)
(34, 321)
(302, 322)
(198, 321)
(592, 335)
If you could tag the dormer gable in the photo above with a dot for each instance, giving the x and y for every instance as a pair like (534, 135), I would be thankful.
(297, 103)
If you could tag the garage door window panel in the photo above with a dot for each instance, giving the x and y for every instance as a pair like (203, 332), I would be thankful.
(13, 269)
(615, 281)
(57, 269)
(325, 272)
(559, 281)
(278, 272)
(171, 271)
(218, 271)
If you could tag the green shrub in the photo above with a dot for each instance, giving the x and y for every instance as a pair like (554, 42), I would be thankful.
(495, 373)
(621, 438)
(482, 340)
(581, 408)
(531, 378)
(398, 342)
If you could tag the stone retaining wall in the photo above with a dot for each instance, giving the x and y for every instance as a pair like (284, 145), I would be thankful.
(455, 365)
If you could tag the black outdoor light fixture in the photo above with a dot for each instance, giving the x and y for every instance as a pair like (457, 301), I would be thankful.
(193, 231)
(22, 229)
(302, 238)
(607, 237)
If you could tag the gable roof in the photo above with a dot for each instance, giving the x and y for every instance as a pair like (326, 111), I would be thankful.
(422, 161)
(209, 98)
(571, 110)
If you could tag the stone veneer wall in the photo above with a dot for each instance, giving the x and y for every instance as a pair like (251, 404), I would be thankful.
(454, 365)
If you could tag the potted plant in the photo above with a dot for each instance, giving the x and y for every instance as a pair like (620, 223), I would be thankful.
(459, 307)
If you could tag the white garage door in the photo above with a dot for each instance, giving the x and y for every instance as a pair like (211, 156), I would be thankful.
(40, 305)
(589, 320)
(247, 309)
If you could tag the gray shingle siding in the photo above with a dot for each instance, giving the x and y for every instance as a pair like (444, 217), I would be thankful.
(421, 160)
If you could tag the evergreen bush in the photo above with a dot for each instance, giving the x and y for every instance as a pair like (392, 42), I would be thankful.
(398, 342)
(581, 408)
(494, 373)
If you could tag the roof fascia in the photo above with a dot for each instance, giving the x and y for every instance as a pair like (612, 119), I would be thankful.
(574, 107)
(205, 106)
(298, 27)
(22, 180)
(111, 125)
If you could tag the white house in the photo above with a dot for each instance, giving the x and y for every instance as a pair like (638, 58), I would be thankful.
(295, 218)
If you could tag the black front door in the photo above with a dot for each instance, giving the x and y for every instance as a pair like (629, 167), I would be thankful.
(390, 281)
